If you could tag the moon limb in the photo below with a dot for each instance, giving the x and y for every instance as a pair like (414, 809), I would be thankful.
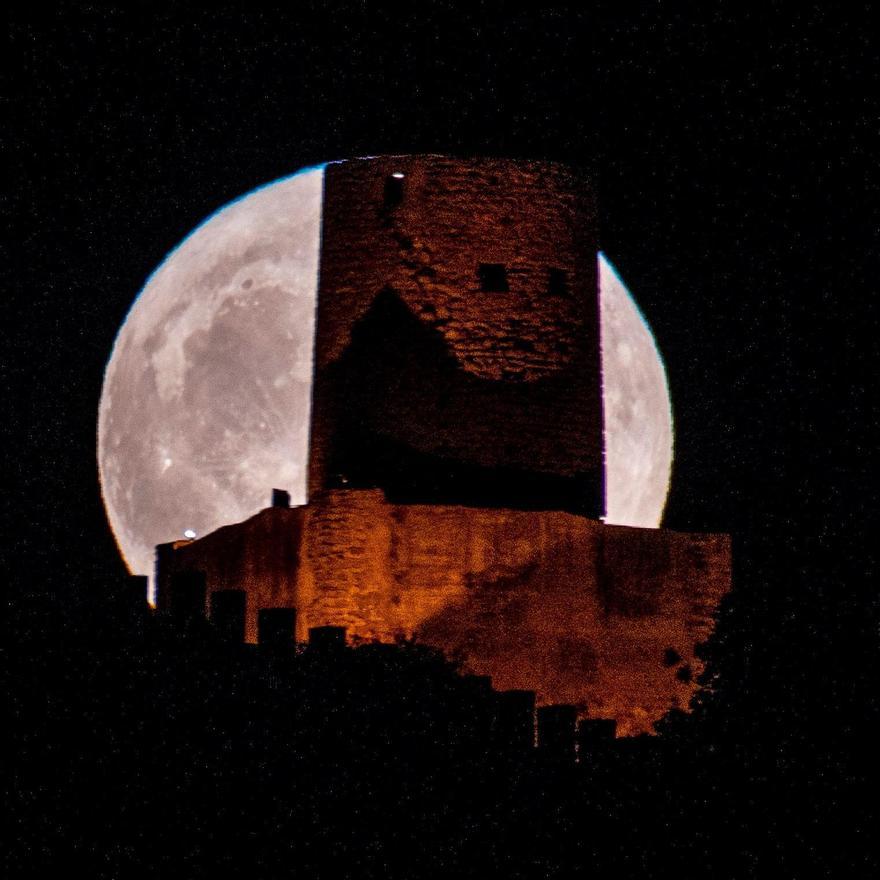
(637, 409)
(207, 395)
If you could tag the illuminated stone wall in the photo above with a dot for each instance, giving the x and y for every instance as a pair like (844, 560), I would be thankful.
(260, 555)
(605, 617)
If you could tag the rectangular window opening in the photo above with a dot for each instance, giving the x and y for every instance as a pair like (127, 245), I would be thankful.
(493, 278)
(558, 284)
(393, 195)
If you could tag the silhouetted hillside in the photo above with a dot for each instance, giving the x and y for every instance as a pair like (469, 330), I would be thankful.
(157, 747)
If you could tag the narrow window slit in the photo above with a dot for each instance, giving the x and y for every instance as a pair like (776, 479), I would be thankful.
(558, 283)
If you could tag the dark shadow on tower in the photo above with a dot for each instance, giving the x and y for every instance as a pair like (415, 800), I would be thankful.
(398, 375)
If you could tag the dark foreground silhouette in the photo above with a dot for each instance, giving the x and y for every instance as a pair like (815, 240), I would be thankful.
(151, 747)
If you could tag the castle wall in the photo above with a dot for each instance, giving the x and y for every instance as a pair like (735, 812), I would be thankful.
(259, 555)
(548, 601)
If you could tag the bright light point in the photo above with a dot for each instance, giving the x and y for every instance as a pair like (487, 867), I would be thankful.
(189, 533)
(399, 175)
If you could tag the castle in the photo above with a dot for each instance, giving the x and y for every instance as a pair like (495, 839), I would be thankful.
(455, 469)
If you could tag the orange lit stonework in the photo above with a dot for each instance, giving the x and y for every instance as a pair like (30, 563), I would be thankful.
(549, 601)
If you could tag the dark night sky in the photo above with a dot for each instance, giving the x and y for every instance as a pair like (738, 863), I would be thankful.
(735, 184)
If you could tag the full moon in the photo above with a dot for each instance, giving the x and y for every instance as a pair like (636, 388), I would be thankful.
(205, 405)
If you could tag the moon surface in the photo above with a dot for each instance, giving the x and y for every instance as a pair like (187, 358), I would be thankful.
(207, 395)
(637, 409)
(206, 398)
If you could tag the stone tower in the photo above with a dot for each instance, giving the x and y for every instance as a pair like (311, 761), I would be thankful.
(457, 343)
